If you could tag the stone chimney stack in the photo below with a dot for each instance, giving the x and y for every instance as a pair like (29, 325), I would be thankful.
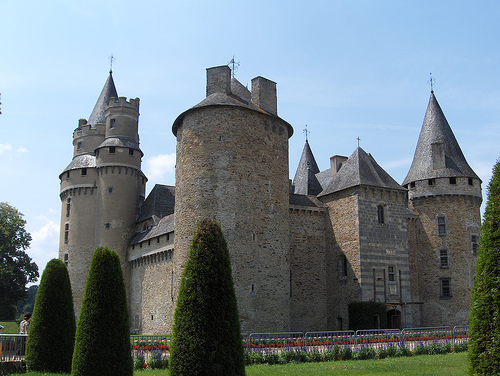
(336, 163)
(264, 94)
(219, 80)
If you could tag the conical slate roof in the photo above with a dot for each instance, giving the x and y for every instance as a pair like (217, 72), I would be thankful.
(435, 131)
(305, 181)
(108, 91)
(360, 169)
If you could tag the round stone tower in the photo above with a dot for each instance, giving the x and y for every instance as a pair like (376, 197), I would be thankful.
(446, 194)
(232, 166)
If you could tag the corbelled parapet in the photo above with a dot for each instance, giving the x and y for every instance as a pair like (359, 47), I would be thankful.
(264, 94)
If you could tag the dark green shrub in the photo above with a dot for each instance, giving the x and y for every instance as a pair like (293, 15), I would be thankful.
(459, 347)
(315, 356)
(391, 351)
(484, 320)
(382, 353)
(362, 314)
(157, 360)
(403, 351)
(286, 357)
(49, 347)
(102, 343)
(346, 353)
(365, 353)
(206, 316)
(139, 361)
(420, 350)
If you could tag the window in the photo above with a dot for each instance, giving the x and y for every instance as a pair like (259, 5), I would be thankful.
(471, 181)
(68, 207)
(453, 180)
(391, 274)
(380, 213)
(111, 150)
(441, 220)
(131, 151)
(66, 232)
(79, 145)
(67, 175)
(445, 287)
(110, 190)
(474, 239)
(66, 259)
(412, 184)
(342, 267)
(84, 171)
(431, 181)
(107, 226)
(443, 258)
(112, 123)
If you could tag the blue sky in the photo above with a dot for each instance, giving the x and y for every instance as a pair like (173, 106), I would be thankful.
(347, 69)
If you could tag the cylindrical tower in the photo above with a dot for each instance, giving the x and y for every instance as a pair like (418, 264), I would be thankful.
(120, 181)
(232, 166)
(446, 194)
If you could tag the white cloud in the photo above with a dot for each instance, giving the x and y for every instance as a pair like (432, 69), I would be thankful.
(22, 150)
(160, 165)
(44, 244)
(5, 147)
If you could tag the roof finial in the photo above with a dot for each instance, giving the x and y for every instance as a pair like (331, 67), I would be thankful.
(432, 81)
(234, 66)
(358, 140)
(111, 58)
(306, 132)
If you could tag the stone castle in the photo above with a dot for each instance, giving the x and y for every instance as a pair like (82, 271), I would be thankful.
(300, 251)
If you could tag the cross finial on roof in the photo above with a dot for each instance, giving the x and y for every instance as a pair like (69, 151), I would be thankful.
(432, 81)
(234, 66)
(306, 132)
(111, 58)
(358, 140)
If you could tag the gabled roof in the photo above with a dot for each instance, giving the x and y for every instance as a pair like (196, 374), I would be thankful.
(305, 181)
(436, 130)
(108, 91)
(159, 203)
(360, 169)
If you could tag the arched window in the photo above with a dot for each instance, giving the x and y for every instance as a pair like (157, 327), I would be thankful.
(380, 214)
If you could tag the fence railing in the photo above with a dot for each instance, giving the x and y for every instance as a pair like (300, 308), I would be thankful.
(12, 347)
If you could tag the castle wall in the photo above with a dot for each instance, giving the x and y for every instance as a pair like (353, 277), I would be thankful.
(308, 269)
(232, 166)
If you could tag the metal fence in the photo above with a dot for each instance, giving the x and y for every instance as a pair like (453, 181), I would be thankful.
(12, 347)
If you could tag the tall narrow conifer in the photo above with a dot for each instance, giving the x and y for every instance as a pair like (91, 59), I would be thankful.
(49, 347)
(102, 343)
(484, 320)
(206, 333)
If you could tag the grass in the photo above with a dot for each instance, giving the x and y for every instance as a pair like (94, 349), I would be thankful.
(449, 364)
(10, 327)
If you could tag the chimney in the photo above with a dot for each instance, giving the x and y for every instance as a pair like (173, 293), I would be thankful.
(219, 80)
(264, 94)
(336, 163)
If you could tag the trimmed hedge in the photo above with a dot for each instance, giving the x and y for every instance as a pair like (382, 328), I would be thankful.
(484, 319)
(102, 344)
(361, 315)
(49, 346)
(206, 316)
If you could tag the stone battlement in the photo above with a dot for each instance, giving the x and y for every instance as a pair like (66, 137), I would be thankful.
(122, 101)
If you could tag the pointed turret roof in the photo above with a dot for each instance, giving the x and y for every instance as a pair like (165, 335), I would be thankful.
(108, 91)
(305, 182)
(436, 134)
(360, 169)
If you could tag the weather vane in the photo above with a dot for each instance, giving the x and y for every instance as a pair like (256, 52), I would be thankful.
(358, 140)
(431, 82)
(234, 66)
(306, 132)
(111, 58)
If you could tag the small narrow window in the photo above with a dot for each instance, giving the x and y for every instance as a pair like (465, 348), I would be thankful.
(66, 233)
(412, 184)
(445, 287)
(431, 181)
(342, 265)
(68, 207)
(380, 212)
(79, 145)
(453, 180)
(67, 175)
(391, 274)
(66, 259)
(441, 220)
(474, 239)
(443, 258)
(112, 150)
(471, 181)
(107, 226)
(112, 123)
(131, 151)
(110, 190)
(84, 171)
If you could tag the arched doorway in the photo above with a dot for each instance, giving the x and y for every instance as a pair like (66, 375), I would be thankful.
(393, 319)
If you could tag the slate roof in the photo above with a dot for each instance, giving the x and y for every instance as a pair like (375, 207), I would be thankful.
(81, 161)
(222, 99)
(305, 182)
(360, 169)
(165, 226)
(160, 202)
(302, 200)
(108, 91)
(436, 129)
(124, 142)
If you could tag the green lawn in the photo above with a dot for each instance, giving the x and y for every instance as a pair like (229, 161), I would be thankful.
(10, 327)
(448, 364)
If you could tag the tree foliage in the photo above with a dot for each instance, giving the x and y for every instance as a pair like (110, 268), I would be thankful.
(16, 267)
(102, 342)
(206, 316)
(27, 305)
(484, 320)
(51, 337)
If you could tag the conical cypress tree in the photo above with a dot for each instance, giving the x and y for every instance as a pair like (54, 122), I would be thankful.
(484, 320)
(49, 347)
(206, 333)
(102, 343)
